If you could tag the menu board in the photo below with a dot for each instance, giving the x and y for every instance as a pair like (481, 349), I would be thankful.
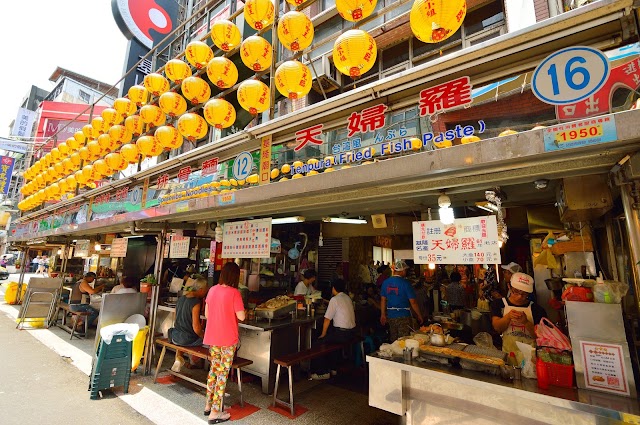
(247, 239)
(179, 247)
(82, 248)
(466, 241)
(119, 247)
(604, 367)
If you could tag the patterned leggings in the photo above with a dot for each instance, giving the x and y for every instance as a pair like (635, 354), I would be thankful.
(217, 379)
(400, 326)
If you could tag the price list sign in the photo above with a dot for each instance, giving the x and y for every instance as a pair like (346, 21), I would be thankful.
(247, 239)
(604, 367)
(119, 248)
(179, 247)
(466, 241)
(581, 133)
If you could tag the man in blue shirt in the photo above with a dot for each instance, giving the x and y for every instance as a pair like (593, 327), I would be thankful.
(397, 299)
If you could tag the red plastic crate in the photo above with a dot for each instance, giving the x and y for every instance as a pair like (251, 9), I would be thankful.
(560, 375)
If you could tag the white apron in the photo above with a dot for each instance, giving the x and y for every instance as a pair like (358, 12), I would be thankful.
(517, 332)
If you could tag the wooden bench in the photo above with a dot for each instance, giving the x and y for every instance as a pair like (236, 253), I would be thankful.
(293, 359)
(202, 353)
(66, 310)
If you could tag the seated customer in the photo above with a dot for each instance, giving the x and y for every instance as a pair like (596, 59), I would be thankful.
(305, 286)
(187, 330)
(340, 312)
(80, 288)
(127, 286)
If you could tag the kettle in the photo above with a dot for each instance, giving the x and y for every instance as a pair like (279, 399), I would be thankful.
(437, 339)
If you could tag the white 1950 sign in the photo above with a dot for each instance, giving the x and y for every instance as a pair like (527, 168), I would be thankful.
(570, 75)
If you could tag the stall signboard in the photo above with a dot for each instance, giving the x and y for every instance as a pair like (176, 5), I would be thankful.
(227, 199)
(179, 247)
(6, 169)
(247, 239)
(265, 160)
(577, 134)
(82, 248)
(122, 200)
(604, 368)
(119, 247)
(466, 241)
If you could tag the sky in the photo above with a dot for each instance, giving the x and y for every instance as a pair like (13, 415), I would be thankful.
(36, 36)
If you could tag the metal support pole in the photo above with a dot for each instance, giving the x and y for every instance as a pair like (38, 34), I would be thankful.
(633, 230)
(153, 309)
(22, 273)
(611, 252)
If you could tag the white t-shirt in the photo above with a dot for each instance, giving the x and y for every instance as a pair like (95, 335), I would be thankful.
(120, 289)
(302, 289)
(340, 310)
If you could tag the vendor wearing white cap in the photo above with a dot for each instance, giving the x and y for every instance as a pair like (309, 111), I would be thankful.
(509, 270)
(516, 316)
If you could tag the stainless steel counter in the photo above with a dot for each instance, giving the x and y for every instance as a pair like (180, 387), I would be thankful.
(265, 325)
(434, 394)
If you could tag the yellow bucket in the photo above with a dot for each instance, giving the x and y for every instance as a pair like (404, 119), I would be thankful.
(137, 348)
(34, 322)
(11, 293)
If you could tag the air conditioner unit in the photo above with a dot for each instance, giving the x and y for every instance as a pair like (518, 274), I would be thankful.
(325, 75)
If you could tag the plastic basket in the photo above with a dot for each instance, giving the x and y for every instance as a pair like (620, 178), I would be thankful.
(560, 375)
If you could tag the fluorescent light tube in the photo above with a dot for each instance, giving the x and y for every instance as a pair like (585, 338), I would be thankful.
(287, 220)
(344, 220)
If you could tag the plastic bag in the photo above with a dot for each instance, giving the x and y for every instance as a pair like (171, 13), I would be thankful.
(527, 364)
(484, 340)
(550, 336)
(610, 292)
(547, 259)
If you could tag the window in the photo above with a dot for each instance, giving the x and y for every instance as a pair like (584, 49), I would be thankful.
(382, 255)
(85, 97)
(395, 55)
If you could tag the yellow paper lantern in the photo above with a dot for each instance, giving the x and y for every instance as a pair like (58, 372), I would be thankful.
(64, 186)
(75, 159)
(55, 154)
(115, 161)
(89, 132)
(222, 72)
(46, 161)
(156, 84)
(107, 144)
(354, 10)
(469, 139)
(259, 13)
(149, 146)
(285, 169)
(219, 113)
(507, 132)
(293, 79)
(124, 106)
(198, 54)
(172, 104)
(103, 168)
(111, 117)
(151, 114)
(80, 177)
(256, 53)
(295, 2)
(120, 135)
(134, 124)
(275, 173)
(40, 181)
(59, 169)
(225, 35)
(253, 96)
(177, 70)
(295, 31)
(196, 90)
(73, 144)
(90, 174)
(99, 126)
(138, 94)
(192, 126)
(67, 166)
(71, 181)
(95, 150)
(169, 137)
(416, 144)
(64, 150)
(354, 53)
(130, 153)
(435, 21)
(84, 153)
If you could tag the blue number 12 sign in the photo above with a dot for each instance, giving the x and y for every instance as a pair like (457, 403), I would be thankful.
(242, 166)
(570, 75)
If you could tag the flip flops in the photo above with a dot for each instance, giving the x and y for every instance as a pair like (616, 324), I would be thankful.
(219, 420)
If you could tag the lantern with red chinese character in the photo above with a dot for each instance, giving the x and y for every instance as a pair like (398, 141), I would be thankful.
(124, 106)
(73, 144)
(76, 159)
(107, 144)
(148, 146)
(115, 161)
(134, 124)
(354, 53)
(120, 135)
(219, 113)
(151, 114)
(89, 132)
(354, 10)
(64, 187)
(47, 160)
(99, 126)
(138, 94)
(71, 181)
(156, 84)
(55, 154)
(222, 72)
(95, 150)
(67, 166)
(225, 34)
(130, 153)
(172, 104)
(293, 79)
(103, 168)
(177, 70)
(59, 170)
(295, 31)
(259, 13)
(169, 137)
(80, 177)
(256, 53)
(196, 90)
(63, 148)
(81, 138)
(84, 153)
(198, 54)
(253, 96)
(192, 126)
(111, 117)
(434, 21)
(90, 174)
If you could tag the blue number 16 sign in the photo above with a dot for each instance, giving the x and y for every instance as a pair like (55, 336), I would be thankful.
(570, 75)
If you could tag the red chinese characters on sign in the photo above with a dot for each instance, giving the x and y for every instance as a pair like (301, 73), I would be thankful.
(121, 194)
(162, 181)
(184, 173)
(445, 96)
(102, 199)
(370, 119)
(209, 166)
(308, 135)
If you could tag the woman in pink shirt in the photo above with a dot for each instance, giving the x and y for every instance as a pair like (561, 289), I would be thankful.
(223, 311)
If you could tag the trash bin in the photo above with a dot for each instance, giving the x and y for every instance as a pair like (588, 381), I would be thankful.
(11, 293)
(138, 347)
(112, 364)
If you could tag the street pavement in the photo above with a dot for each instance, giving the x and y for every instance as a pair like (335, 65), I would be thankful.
(38, 386)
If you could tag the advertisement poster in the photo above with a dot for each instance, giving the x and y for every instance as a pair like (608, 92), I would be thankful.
(466, 241)
(247, 239)
(119, 247)
(6, 169)
(582, 133)
(179, 247)
(604, 367)
(82, 248)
